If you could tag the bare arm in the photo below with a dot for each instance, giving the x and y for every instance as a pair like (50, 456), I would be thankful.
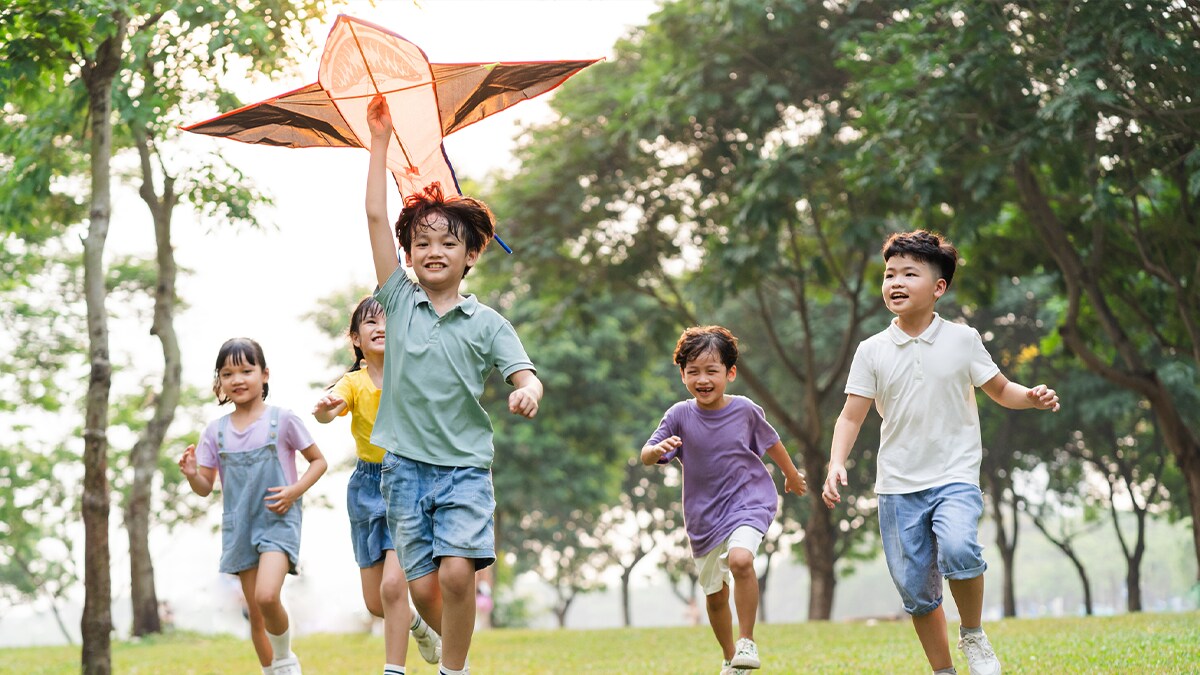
(200, 478)
(330, 406)
(281, 498)
(652, 453)
(793, 482)
(845, 432)
(1017, 397)
(525, 398)
(383, 246)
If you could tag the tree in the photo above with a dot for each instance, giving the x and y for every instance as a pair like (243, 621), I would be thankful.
(726, 177)
(143, 52)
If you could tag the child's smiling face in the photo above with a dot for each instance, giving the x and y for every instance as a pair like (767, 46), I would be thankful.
(241, 382)
(439, 258)
(706, 378)
(910, 286)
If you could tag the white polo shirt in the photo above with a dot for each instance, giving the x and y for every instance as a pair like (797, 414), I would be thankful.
(924, 389)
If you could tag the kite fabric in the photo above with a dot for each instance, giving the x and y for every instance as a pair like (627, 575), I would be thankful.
(428, 101)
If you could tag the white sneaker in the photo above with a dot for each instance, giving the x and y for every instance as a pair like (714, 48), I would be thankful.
(980, 656)
(746, 655)
(288, 666)
(727, 669)
(429, 643)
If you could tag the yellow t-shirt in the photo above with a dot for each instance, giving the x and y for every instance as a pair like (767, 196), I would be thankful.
(362, 399)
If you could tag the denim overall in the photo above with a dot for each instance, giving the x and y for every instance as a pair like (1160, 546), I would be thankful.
(248, 528)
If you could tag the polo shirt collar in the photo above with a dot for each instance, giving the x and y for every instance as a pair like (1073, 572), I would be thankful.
(469, 304)
(899, 337)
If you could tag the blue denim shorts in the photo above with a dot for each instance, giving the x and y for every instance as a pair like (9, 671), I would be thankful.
(928, 535)
(369, 532)
(438, 511)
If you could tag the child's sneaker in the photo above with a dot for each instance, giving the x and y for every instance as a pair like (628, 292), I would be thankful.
(746, 655)
(288, 666)
(429, 643)
(980, 656)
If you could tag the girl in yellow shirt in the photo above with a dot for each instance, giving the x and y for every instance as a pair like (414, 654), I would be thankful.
(384, 588)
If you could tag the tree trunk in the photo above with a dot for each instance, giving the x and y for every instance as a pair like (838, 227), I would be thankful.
(820, 541)
(145, 454)
(1136, 375)
(762, 587)
(626, 614)
(96, 624)
(1133, 570)
(1007, 543)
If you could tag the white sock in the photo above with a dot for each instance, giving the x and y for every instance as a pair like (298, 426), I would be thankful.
(443, 670)
(393, 669)
(963, 630)
(281, 645)
(267, 670)
(416, 623)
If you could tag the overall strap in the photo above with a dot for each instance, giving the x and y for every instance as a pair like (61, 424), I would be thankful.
(222, 425)
(273, 430)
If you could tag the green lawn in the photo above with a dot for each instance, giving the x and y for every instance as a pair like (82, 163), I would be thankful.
(1145, 643)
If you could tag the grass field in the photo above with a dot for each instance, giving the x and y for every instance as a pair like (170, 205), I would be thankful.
(1145, 643)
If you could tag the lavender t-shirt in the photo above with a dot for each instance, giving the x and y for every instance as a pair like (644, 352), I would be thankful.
(725, 483)
(291, 438)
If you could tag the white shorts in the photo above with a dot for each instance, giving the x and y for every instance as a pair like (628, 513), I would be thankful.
(714, 565)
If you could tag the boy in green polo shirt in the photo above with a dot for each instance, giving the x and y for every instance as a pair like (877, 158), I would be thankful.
(436, 475)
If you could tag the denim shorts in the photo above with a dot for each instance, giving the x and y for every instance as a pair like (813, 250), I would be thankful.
(928, 535)
(369, 533)
(438, 511)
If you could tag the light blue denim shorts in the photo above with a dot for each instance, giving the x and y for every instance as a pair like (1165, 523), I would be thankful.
(438, 511)
(369, 532)
(928, 535)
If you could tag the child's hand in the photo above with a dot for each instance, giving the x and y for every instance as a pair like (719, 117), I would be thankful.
(1043, 398)
(829, 493)
(523, 402)
(379, 118)
(795, 484)
(327, 404)
(664, 446)
(282, 500)
(187, 463)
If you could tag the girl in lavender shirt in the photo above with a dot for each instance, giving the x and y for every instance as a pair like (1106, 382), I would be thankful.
(729, 499)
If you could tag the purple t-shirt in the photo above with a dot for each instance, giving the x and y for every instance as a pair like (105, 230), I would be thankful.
(292, 438)
(725, 483)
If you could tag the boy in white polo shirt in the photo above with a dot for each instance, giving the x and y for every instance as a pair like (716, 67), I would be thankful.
(921, 374)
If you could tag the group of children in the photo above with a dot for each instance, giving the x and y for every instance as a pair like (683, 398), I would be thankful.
(421, 501)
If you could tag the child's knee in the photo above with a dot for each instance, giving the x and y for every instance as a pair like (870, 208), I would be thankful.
(266, 597)
(741, 563)
(393, 589)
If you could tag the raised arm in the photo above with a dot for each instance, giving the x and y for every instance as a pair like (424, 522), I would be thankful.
(383, 244)
(845, 432)
(1017, 397)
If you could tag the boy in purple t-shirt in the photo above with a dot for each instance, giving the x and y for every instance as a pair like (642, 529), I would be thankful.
(729, 498)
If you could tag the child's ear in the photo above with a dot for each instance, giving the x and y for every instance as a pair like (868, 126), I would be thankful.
(939, 288)
(473, 257)
(266, 374)
(732, 375)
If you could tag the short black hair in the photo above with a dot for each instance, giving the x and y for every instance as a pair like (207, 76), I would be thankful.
(236, 351)
(698, 340)
(467, 218)
(924, 246)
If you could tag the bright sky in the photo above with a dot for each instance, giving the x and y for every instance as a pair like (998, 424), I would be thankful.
(260, 283)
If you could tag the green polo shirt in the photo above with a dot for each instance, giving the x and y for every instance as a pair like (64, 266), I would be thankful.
(434, 368)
